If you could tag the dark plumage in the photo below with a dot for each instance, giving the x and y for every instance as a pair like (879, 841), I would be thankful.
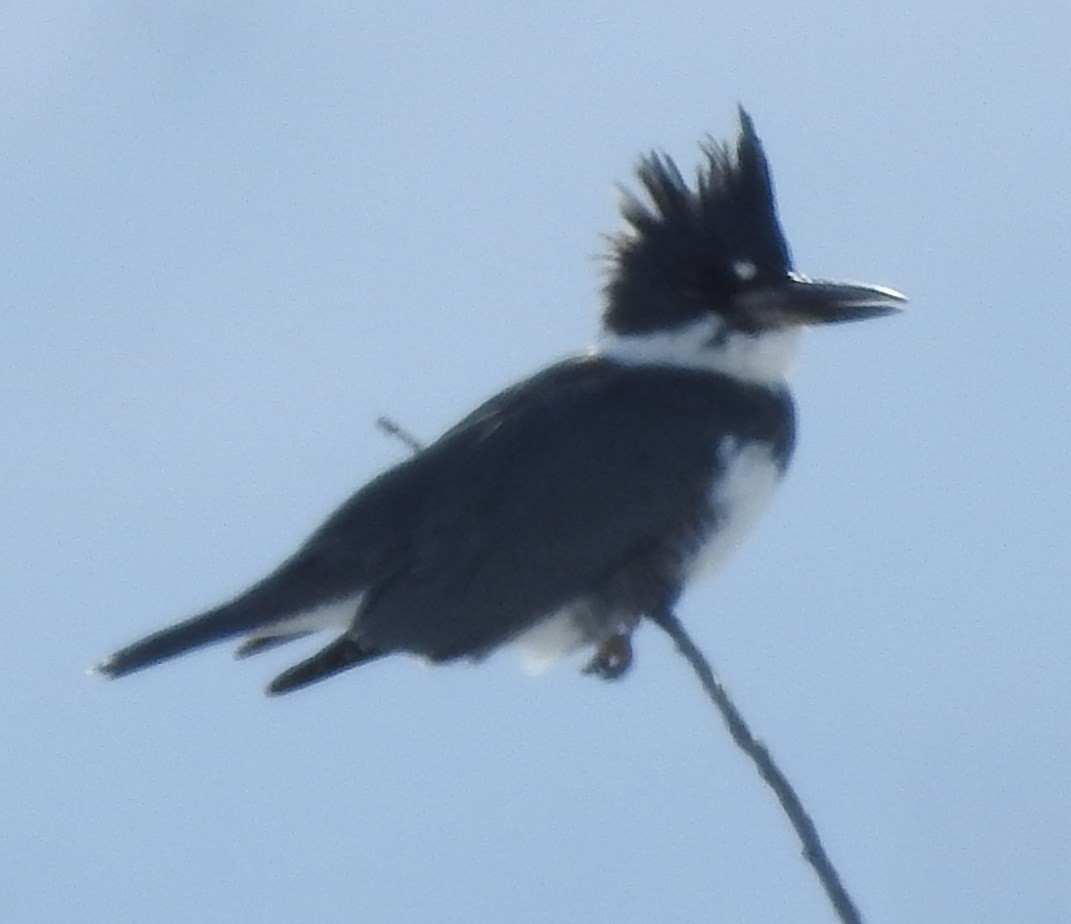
(406, 537)
(581, 498)
(684, 249)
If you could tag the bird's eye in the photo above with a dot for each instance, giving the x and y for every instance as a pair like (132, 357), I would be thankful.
(744, 270)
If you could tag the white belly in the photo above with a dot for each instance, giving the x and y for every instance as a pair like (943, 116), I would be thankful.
(748, 480)
(548, 641)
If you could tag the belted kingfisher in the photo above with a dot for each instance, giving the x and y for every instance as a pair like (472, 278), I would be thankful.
(565, 509)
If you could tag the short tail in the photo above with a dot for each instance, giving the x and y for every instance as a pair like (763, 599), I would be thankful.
(214, 626)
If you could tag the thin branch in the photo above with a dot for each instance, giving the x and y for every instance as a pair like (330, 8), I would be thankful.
(389, 426)
(813, 850)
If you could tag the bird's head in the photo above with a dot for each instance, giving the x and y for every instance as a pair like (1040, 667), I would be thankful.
(706, 270)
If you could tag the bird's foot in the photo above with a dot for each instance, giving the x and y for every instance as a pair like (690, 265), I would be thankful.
(612, 658)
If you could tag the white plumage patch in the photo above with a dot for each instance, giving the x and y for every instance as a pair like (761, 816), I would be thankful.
(338, 614)
(749, 478)
(762, 358)
(548, 641)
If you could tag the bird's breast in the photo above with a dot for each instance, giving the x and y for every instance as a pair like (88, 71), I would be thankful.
(747, 475)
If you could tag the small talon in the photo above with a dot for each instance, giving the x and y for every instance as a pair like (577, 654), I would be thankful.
(612, 658)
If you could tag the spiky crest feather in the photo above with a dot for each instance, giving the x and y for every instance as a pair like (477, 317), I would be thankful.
(686, 251)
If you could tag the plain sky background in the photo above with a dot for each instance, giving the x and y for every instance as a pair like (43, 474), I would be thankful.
(235, 233)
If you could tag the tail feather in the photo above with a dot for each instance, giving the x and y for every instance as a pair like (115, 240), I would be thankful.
(342, 654)
(263, 613)
(213, 626)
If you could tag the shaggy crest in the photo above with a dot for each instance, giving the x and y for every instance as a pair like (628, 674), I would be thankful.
(689, 250)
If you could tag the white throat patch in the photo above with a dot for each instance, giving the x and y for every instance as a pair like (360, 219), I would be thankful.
(763, 358)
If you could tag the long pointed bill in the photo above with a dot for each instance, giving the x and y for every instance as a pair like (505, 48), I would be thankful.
(800, 300)
(819, 301)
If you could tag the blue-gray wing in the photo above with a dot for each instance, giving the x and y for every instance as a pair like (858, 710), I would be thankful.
(589, 479)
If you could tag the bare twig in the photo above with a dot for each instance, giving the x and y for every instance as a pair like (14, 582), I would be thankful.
(389, 426)
(813, 850)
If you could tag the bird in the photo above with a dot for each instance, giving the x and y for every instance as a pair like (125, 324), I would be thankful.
(568, 508)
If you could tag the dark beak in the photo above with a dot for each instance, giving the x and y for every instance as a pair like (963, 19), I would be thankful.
(800, 300)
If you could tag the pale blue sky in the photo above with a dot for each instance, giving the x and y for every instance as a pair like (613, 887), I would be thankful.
(236, 233)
